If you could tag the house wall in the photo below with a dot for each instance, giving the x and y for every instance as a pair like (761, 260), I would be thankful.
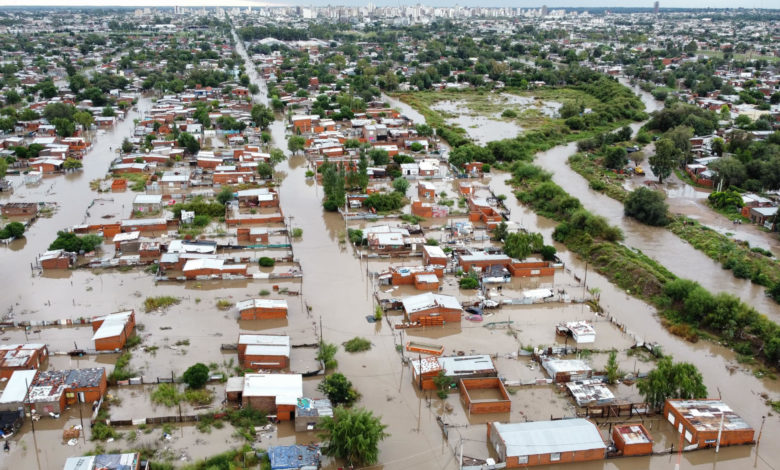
(267, 404)
(266, 362)
(428, 260)
(531, 269)
(161, 227)
(494, 406)
(736, 437)
(630, 449)
(111, 343)
(261, 313)
(24, 210)
(56, 263)
(565, 457)
(426, 286)
(448, 315)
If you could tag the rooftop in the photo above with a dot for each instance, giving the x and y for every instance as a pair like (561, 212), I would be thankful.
(428, 300)
(634, 434)
(545, 437)
(704, 415)
(261, 303)
(286, 388)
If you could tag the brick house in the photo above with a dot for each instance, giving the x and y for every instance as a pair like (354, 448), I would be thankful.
(432, 308)
(259, 352)
(262, 309)
(112, 331)
(273, 393)
(699, 421)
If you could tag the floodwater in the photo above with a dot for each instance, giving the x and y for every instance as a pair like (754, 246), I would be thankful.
(337, 296)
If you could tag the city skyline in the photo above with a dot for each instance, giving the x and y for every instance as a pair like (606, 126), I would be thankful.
(720, 4)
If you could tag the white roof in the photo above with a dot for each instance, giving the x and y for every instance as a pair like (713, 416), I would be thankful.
(126, 236)
(148, 199)
(136, 222)
(253, 192)
(113, 324)
(554, 366)
(287, 388)
(434, 251)
(261, 303)
(16, 388)
(545, 437)
(268, 340)
(203, 263)
(429, 300)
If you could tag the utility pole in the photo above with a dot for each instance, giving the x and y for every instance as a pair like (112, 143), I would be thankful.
(763, 419)
(720, 430)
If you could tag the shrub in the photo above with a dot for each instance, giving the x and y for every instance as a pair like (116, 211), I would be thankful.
(166, 395)
(161, 302)
(224, 304)
(509, 113)
(647, 206)
(357, 344)
(470, 281)
(327, 354)
(196, 376)
(266, 262)
(338, 389)
(297, 232)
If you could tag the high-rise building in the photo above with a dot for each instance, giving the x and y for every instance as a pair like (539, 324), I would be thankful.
(655, 7)
(544, 10)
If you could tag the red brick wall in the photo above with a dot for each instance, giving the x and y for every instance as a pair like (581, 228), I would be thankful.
(260, 313)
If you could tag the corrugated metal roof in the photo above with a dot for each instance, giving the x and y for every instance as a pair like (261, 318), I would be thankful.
(546, 437)
(16, 389)
(261, 303)
(429, 300)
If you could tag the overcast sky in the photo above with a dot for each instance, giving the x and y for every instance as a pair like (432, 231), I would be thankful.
(487, 3)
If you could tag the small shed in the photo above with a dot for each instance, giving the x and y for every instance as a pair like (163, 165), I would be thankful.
(112, 331)
(567, 370)
(16, 389)
(262, 309)
(273, 393)
(259, 352)
(632, 439)
(309, 412)
(147, 203)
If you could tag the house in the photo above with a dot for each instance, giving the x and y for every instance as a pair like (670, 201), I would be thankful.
(258, 197)
(16, 389)
(699, 420)
(144, 225)
(252, 234)
(586, 392)
(130, 461)
(195, 268)
(632, 439)
(309, 411)
(53, 390)
(47, 165)
(145, 203)
(432, 308)
(273, 393)
(764, 216)
(456, 367)
(14, 357)
(127, 242)
(19, 209)
(264, 351)
(262, 309)
(294, 457)
(56, 259)
(112, 331)
(480, 403)
(546, 442)
(426, 190)
(434, 255)
(566, 370)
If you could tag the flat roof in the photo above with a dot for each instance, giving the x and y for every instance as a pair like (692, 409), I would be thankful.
(261, 303)
(420, 302)
(704, 415)
(16, 388)
(127, 461)
(634, 434)
(546, 437)
(267, 350)
(287, 388)
(434, 251)
(554, 366)
(148, 199)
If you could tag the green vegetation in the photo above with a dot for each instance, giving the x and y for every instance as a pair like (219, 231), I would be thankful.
(297, 232)
(355, 236)
(71, 242)
(357, 344)
(245, 420)
(239, 459)
(327, 354)
(266, 262)
(612, 370)
(378, 312)
(199, 207)
(443, 383)
(352, 435)
(102, 432)
(161, 302)
(166, 395)
(122, 369)
(385, 201)
(196, 376)
(224, 304)
(647, 206)
(670, 380)
(338, 389)
(469, 281)
(12, 230)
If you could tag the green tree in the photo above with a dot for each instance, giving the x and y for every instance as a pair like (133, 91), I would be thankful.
(108, 111)
(669, 380)
(265, 170)
(127, 146)
(196, 376)
(352, 435)
(338, 389)
(83, 118)
(3, 167)
(12, 97)
(718, 146)
(277, 156)
(12, 230)
(72, 164)
(612, 370)
(262, 116)
(616, 158)
(225, 195)
(666, 158)
(519, 245)
(647, 206)
(379, 157)
(401, 185)
(64, 127)
(295, 143)
(189, 142)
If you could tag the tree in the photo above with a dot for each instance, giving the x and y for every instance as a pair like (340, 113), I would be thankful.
(277, 156)
(262, 116)
(668, 380)
(265, 170)
(616, 158)
(108, 111)
(665, 159)
(12, 97)
(681, 136)
(84, 118)
(12, 230)
(72, 164)
(401, 185)
(352, 435)
(519, 245)
(225, 195)
(127, 146)
(64, 127)
(338, 389)
(189, 142)
(295, 143)
(647, 206)
(743, 120)
(613, 373)
(379, 157)
(718, 146)
(730, 170)
(3, 167)
(196, 376)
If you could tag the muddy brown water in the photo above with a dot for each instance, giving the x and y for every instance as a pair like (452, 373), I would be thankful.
(339, 292)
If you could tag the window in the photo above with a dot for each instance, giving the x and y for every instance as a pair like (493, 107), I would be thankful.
(522, 459)
(555, 457)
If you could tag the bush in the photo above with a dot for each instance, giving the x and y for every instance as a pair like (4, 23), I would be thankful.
(201, 220)
(154, 303)
(12, 230)
(647, 206)
(548, 252)
(297, 232)
(385, 202)
(266, 262)
(355, 236)
(338, 389)
(357, 344)
(196, 376)
(509, 113)
(470, 281)
(400, 185)
(327, 354)
(73, 243)
(166, 395)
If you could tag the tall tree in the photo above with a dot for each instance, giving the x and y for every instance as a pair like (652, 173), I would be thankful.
(665, 159)
(353, 435)
(262, 116)
(669, 380)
